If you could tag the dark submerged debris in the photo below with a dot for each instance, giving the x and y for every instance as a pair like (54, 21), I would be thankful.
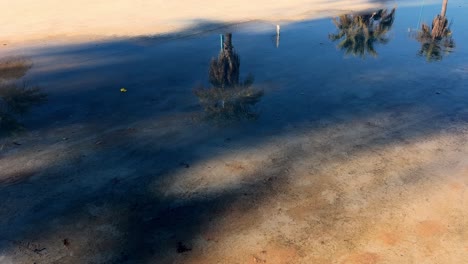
(181, 248)
(184, 164)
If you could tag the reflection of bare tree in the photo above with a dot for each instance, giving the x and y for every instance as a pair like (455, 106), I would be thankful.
(359, 33)
(228, 98)
(15, 100)
(224, 71)
(436, 40)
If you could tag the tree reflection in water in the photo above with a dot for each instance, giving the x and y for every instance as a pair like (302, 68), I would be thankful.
(228, 98)
(436, 41)
(359, 33)
(15, 99)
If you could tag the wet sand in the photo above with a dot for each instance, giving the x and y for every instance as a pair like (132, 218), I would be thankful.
(374, 190)
(388, 187)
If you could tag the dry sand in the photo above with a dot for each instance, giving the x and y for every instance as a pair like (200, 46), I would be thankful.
(31, 20)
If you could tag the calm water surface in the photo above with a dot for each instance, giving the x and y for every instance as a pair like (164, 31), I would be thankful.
(302, 77)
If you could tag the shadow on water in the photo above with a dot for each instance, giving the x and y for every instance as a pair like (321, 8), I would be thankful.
(436, 41)
(15, 99)
(68, 195)
(359, 33)
(228, 98)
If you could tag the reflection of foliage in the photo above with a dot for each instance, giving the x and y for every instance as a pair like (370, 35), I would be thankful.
(359, 33)
(228, 98)
(15, 100)
(13, 68)
(18, 100)
(232, 103)
(436, 41)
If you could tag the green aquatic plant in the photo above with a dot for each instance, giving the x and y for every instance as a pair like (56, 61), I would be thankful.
(228, 98)
(359, 33)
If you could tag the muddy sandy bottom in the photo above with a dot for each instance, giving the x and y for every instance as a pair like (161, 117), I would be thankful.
(375, 190)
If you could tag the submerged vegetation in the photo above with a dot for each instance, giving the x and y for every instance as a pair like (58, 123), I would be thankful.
(360, 32)
(228, 98)
(15, 100)
(436, 41)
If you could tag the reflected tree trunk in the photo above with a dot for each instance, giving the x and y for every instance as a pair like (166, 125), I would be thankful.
(444, 8)
(227, 42)
(440, 23)
(224, 71)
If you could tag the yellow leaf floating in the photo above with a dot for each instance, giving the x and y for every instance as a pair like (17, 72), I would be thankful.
(123, 90)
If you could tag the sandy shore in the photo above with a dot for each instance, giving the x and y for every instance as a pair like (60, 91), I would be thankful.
(30, 20)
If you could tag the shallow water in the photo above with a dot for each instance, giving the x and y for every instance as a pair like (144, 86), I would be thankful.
(305, 78)
(158, 147)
